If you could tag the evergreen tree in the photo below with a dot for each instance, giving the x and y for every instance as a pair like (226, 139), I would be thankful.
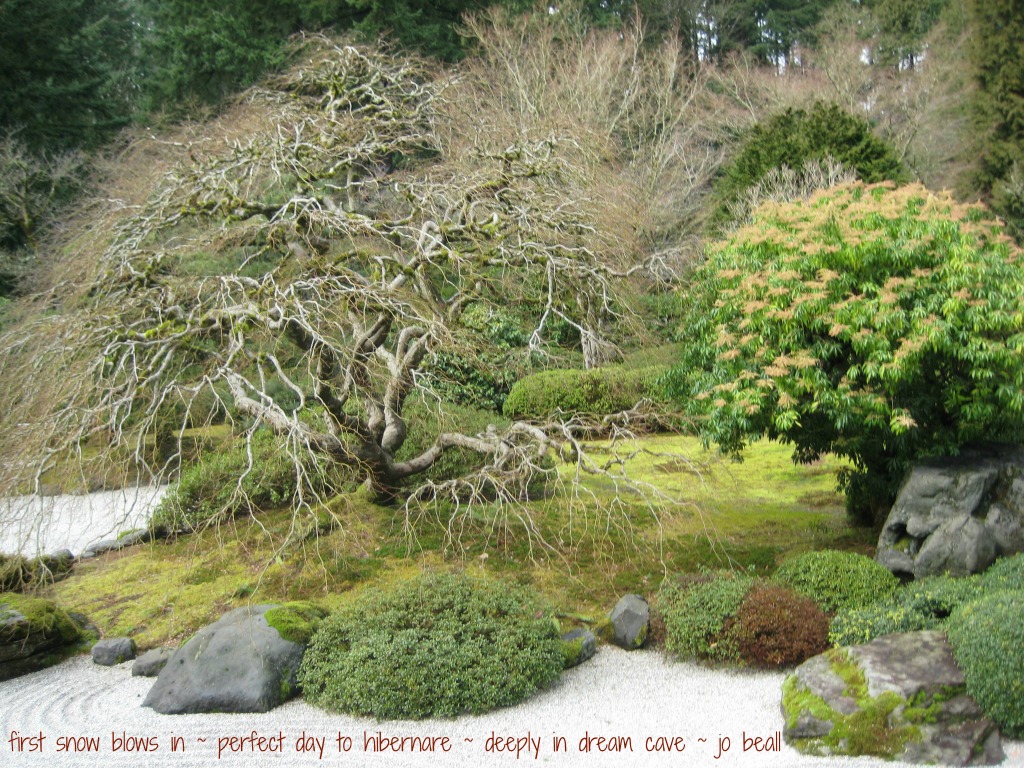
(793, 137)
(998, 54)
(902, 26)
(201, 51)
(66, 71)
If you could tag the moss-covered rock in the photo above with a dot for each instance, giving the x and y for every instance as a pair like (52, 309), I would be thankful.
(578, 645)
(296, 621)
(18, 573)
(899, 697)
(34, 634)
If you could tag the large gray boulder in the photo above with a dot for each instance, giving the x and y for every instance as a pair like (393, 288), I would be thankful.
(956, 515)
(630, 622)
(900, 696)
(237, 664)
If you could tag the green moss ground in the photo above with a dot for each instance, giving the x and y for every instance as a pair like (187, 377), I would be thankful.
(749, 515)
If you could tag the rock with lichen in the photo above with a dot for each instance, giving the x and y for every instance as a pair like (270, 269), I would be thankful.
(241, 663)
(630, 622)
(899, 697)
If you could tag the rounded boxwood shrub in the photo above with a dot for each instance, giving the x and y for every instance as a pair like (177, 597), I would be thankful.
(776, 627)
(987, 636)
(836, 580)
(696, 611)
(436, 646)
(598, 391)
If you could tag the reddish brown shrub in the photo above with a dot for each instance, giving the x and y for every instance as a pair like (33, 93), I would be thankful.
(776, 627)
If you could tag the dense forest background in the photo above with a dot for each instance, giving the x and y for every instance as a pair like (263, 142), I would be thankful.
(942, 81)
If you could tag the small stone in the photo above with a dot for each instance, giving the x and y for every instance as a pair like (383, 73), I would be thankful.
(580, 645)
(113, 650)
(631, 620)
(151, 662)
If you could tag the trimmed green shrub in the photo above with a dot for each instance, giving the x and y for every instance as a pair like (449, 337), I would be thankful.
(1004, 573)
(922, 604)
(696, 611)
(987, 636)
(598, 391)
(836, 580)
(436, 646)
(776, 627)
(224, 483)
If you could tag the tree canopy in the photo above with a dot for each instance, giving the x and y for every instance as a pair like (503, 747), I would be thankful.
(307, 263)
(879, 324)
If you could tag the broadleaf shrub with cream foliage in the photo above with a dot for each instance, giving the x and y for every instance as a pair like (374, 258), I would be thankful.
(875, 323)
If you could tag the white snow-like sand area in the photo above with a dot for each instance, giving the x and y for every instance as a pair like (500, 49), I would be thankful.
(36, 525)
(638, 696)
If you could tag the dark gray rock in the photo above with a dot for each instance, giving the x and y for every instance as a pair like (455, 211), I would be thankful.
(237, 664)
(151, 662)
(580, 644)
(913, 677)
(956, 515)
(631, 620)
(34, 634)
(113, 650)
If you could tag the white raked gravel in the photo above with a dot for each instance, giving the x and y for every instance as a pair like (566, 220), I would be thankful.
(34, 525)
(617, 694)
(636, 695)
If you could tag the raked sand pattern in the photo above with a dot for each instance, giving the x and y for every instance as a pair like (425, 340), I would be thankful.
(636, 696)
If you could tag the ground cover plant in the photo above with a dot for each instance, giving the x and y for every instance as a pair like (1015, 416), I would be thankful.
(733, 618)
(837, 580)
(440, 645)
(750, 515)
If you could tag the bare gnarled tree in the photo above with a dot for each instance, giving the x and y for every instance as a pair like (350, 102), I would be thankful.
(303, 274)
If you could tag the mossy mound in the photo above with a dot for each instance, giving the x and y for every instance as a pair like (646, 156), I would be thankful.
(296, 621)
(34, 634)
